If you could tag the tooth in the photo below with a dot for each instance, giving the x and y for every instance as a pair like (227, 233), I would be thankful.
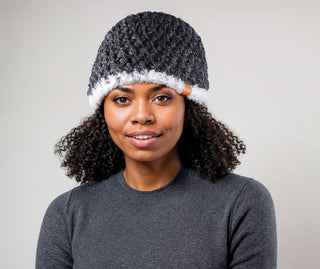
(142, 137)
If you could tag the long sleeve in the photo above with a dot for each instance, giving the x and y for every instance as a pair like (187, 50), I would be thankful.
(53, 250)
(253, 239)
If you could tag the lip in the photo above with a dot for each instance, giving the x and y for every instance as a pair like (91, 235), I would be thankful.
(136, 133)
(143, 143)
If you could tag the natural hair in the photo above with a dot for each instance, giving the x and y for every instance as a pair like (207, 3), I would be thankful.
(89, 154)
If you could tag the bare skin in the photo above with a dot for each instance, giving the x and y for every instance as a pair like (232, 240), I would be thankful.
(145, 120)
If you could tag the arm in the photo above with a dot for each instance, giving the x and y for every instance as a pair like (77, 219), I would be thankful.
(54, 249)
(253, 239)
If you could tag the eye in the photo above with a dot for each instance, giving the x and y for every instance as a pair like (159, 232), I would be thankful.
(121, 100)
(162, 98)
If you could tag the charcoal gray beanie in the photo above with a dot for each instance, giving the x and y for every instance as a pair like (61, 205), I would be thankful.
(150, 47)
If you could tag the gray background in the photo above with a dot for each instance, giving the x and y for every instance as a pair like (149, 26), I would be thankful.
(263, 61)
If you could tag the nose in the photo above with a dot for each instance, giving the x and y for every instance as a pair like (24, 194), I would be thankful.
(142, 112)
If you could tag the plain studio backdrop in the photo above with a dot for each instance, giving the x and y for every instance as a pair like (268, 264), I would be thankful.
(263, 59)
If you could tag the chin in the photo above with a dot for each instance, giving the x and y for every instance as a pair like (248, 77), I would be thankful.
(147, 156)
(144, 158)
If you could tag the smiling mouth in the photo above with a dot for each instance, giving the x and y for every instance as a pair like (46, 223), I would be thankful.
(143, 137)
(143, 140)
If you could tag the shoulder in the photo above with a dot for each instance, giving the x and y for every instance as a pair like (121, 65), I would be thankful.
(252, 203)
(246, 187)
(233, 192)
(250, 191)
(252, 232)
(247, 192)
(231, 185)
(83, 194)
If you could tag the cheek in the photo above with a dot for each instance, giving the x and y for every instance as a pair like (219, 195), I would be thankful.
(175, 120)
(115, 129)
(180, 122)
(115, 121)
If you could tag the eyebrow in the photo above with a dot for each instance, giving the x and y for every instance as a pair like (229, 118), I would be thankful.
(153, 89)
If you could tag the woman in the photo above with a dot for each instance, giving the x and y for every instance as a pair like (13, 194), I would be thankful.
(157, 189)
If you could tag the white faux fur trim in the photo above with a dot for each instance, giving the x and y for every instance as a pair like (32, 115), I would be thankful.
(104, 86)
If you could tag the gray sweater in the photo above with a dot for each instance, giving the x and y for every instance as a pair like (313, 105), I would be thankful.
(188, 223)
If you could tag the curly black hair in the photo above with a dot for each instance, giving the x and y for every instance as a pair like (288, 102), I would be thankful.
(89, 154)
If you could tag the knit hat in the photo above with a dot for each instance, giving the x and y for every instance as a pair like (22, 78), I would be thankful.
(150, 47)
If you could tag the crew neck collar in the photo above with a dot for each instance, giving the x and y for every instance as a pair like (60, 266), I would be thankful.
(165, 188)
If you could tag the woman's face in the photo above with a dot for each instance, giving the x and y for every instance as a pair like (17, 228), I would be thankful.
(145, 120)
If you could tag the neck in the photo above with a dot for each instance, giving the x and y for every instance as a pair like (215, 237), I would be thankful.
(148, 176)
